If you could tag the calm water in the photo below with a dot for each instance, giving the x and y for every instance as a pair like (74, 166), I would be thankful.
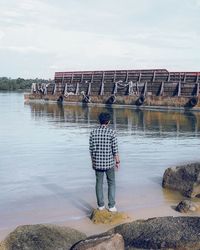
(45, 170)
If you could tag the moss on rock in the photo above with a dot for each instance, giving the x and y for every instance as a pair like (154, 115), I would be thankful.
(106, 217)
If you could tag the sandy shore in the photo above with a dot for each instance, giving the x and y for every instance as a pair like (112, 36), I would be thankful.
(85, 224)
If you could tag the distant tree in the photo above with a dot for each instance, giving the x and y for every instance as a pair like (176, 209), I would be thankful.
(9, 84)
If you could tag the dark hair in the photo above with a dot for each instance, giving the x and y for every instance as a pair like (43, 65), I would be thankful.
(104, 118)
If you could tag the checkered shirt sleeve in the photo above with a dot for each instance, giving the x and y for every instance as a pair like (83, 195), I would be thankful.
(103, 147)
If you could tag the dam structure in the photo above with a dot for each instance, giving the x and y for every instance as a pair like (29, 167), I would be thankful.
(153, 88)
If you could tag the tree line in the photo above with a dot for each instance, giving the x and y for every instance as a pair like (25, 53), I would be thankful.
(9, 84)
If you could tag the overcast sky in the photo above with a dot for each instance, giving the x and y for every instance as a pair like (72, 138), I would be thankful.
(39, 37)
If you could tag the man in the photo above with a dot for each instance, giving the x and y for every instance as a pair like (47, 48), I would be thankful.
(104, 156)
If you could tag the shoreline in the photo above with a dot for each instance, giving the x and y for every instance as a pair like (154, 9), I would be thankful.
(137, 202)
(86, 226)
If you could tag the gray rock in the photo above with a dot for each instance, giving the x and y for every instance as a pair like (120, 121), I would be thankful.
(186, 206)
(111, 242)
(185, 179)
(182, 233)
(41, 237)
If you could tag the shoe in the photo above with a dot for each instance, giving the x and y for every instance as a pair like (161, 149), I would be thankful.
(112, 209)
(101, 208)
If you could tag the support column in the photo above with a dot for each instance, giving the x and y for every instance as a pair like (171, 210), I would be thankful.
(161, 92)
(102, 84)
(197, 89)
(179, 89)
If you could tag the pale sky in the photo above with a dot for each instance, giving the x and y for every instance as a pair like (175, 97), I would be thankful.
(39, 37)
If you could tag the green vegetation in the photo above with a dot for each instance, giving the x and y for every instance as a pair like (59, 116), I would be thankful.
(9, 84)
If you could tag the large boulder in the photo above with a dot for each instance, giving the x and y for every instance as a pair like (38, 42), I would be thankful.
(110, 242)
(41, 237)
(180, 233)
(185, 179)
(106, 217)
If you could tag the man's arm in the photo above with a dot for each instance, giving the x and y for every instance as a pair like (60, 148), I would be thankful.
(91, 149)
(92, 160)
(115, 150)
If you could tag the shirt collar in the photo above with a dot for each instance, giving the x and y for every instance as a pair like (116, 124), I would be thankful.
(103, 126)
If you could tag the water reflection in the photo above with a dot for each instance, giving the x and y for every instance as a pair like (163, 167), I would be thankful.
(123, 119)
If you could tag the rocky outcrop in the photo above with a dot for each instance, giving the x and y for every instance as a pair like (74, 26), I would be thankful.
(180, 233)
(41, 237)
(111, 242)
(185, 179)
(186, 206)
(106, 217)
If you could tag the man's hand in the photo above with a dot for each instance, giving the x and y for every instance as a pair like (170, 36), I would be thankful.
(117, 165)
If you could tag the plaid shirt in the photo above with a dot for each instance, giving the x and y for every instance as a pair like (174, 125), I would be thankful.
(103, 147)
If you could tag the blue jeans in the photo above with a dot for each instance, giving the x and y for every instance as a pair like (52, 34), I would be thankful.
(110, 175)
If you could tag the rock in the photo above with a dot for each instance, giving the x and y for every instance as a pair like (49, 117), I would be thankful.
(186, 206)
(185, 179)
(182, 233)
(106, 217)
(41, 237)
(111, 242)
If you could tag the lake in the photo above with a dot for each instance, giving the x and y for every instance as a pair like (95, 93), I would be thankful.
(45, 168)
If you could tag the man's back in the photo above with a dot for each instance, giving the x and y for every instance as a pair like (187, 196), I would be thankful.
(103, 146)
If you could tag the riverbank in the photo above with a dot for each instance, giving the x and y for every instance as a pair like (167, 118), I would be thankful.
(85, 225)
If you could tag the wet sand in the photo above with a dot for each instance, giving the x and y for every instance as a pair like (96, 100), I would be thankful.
(84, 224)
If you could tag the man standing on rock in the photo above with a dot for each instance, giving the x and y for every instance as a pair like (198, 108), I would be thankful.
(105, 157)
